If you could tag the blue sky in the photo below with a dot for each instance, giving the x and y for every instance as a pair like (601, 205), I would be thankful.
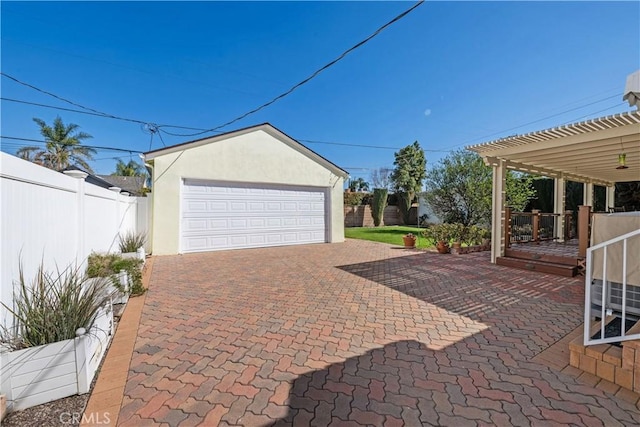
(449, 74)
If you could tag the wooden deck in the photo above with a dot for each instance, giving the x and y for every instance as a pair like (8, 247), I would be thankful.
(560, 258)
(568, 249)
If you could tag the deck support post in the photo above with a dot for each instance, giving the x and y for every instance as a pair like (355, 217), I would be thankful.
(559, 192)
(498, 201)
(584, 217)
(587, 194)
(611, 197)
(535, 225)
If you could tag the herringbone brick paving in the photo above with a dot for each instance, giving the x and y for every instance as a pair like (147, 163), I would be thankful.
(356, 334)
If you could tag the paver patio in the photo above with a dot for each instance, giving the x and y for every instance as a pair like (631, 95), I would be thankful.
(358, 333)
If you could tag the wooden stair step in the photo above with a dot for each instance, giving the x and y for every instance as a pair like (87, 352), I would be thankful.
(536, 256)
(539, 266)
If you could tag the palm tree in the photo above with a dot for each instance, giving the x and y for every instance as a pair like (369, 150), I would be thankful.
(29, 154)
(132, 168)
(63, 146)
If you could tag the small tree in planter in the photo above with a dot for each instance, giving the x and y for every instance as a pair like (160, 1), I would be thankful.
(378, 204)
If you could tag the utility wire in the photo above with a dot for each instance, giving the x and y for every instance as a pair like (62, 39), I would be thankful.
(189, 128)
(95, 147)
(366, 146)
(312, 76)
(542, 119)
(68, 101)
(20, 101)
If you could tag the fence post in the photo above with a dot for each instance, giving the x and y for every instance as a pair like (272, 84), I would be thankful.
(584, 217)
(117, 209)
(569, 224)
(507, 227)
(80, 177)
(81, 361)
(535, 224)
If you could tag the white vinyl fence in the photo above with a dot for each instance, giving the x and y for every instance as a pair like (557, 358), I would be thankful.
(57, 219)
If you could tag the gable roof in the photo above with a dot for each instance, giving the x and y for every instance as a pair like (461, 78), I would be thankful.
(265, 127)
(130, 184)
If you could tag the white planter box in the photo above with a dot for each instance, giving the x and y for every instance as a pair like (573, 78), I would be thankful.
(38, 375)
(140, 254)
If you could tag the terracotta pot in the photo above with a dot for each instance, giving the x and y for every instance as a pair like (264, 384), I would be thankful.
(442, 247)
(409, 242)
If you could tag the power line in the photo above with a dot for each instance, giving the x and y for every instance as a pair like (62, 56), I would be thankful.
(152, 126)
(95, 147)
(67, 100)
(20, 101)
(591, 114)
(312, 76)
(365, 146)
(542, 119)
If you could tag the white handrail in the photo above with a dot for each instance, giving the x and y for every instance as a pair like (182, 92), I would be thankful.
(614, 240)
(605, 282)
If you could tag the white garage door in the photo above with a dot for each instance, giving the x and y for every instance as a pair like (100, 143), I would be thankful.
(224, 216)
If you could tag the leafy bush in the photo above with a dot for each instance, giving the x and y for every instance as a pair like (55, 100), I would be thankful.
(353, 199)
(52, 307)
(471, 235)
(131, 241)
(438, 232)
(378, 205)
(110, 265)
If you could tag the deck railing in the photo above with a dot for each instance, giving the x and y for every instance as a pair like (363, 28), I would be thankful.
(608, 281)
(522, 227)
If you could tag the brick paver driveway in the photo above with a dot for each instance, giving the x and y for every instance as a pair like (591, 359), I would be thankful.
(356, 334)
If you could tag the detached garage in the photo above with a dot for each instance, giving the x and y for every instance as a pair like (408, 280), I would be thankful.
(254, 187)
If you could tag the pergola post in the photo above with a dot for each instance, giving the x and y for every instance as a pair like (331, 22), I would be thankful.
(611, 197)
(587, 194)
(559, 193)
(498, 201)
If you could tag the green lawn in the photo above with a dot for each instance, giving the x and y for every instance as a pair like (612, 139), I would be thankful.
(390, 234)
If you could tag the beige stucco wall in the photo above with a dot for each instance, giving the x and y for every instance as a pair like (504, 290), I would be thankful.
(253, 157)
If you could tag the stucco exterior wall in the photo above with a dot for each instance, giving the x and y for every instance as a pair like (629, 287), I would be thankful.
(253, 157)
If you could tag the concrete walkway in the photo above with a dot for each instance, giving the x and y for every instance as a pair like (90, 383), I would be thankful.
(358, 333)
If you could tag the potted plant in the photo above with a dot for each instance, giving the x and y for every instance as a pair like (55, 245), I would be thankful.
(457, 233)
(439, 234)
(409, 240)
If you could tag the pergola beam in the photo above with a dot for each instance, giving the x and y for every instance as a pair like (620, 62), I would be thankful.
(533, 169)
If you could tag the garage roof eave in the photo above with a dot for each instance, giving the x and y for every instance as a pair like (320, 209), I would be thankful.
(266, 127)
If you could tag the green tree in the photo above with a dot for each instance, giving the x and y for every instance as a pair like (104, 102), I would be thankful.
(358, 184)
(62, 146)
(378, 204)
(459, 189)
(132, 168)
(408, 175)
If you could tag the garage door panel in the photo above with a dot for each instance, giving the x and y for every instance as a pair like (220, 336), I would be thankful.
(216, 217)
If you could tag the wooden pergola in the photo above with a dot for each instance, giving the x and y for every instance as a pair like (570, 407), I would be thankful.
(587, 152)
